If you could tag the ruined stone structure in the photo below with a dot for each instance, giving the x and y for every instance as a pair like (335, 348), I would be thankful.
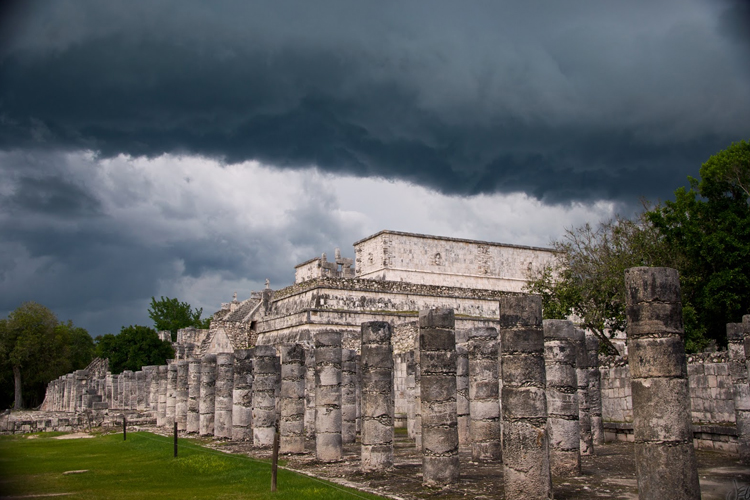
(406, 335)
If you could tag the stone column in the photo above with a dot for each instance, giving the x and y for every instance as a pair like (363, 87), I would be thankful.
(376, 370)
(437, 345)
(242, 410)
(561, 339)
(484, 399)
(69, 399)
(264, 395)
(193, 423)
(207, 402)
(410, 389)
(181, 394)
(328, 445)
(595, 389)
(348, 396)
(309, 392)
(526, 470)
(141, 390)
(462, 394)
(133, 391)
(741, 390)
(111, 386)
(153, 388)
(224, 393)
(171, 393)
(662, 429)
(292, 404)
(161, 413)
(418, 395)
(584, 406)
(357, 395)
(126, 377)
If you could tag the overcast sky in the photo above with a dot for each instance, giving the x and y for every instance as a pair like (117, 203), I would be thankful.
(193, 149)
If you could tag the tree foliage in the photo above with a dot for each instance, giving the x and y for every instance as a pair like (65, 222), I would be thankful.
(587, 278)
(704, 233)
(36, 348)
(171, 314)
(134, 347)
(708, 225)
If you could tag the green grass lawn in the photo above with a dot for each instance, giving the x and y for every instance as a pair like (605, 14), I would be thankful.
(143, 467)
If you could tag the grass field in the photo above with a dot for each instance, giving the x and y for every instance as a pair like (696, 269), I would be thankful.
(144, 467)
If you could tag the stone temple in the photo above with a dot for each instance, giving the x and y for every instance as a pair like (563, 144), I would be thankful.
(394, 275)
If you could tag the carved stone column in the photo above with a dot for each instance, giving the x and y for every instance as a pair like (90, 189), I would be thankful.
(662, 428)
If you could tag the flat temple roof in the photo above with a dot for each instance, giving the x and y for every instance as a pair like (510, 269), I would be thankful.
(446, 238)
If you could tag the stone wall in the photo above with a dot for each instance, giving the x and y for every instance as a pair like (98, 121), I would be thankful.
(347, 303)
(711, 399)
(434, 260)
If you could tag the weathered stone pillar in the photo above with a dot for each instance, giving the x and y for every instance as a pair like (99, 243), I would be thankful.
(584, 405)
(418, 395)
(348, 396)
(357, 394)
(126, 377)
(171, 393)
(133, 391)
(292, 404)
(181, 395)
(309, 392)
(265, 366)
(526, 470)
(193, 423)
(462, 394)
(161, 410)
(328, 445)
(741, 390)
(242, 410)
(111, 388)
(561, 340)
(595, 389)
(377, 396)
(410, 391)
(207, 402)
(152, 382)
(69, 399)
(224, 393)
(437, 343)
(484, 399)
(664, 454)
(141, 392)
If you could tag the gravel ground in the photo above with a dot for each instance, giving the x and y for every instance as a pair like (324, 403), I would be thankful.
(609, 473)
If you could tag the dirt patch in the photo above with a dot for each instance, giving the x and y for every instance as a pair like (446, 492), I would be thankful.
(74, 435)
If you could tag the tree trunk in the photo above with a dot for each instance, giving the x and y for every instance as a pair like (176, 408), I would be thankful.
(608, 345)
(18, 404)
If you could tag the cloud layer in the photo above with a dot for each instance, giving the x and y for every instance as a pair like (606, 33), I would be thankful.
(576, 101)
(192, 149)
(95, 238)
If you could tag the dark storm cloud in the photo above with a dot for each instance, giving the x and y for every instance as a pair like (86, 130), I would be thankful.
(95, 243)
(574, 102)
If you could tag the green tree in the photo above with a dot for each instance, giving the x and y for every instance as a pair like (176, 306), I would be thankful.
(586, 280)
(171, 314)
(708, 225)
(36, 348)
(134, 347)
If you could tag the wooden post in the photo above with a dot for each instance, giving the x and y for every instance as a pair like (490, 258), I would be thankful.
(275, 457)
(175, 439)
